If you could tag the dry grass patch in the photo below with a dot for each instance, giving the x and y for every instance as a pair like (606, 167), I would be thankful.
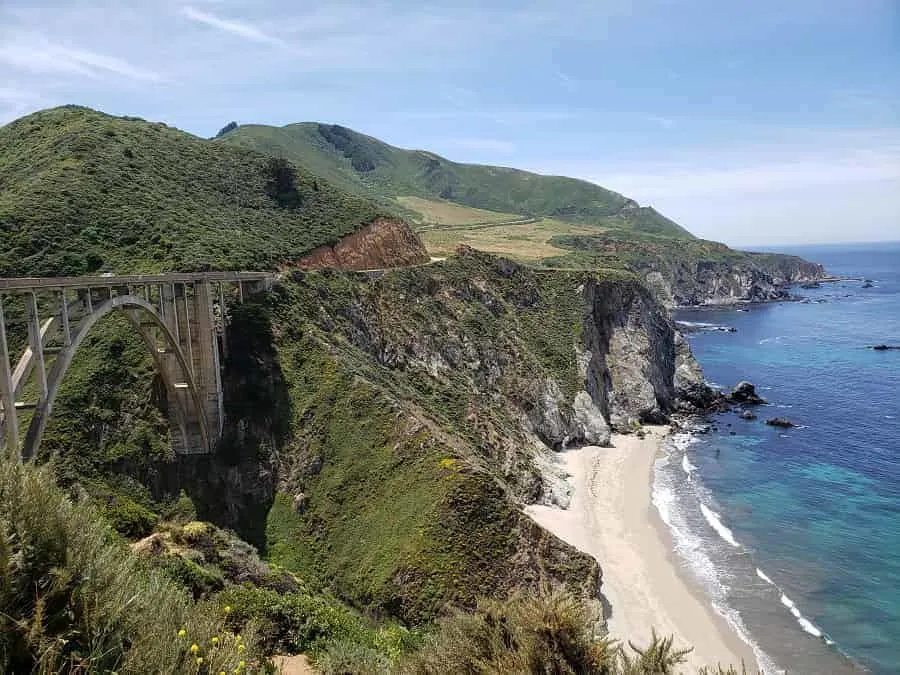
(526, 242)
(433, 211)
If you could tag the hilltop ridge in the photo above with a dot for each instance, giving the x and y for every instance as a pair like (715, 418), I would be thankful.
(368, 166)
(82, 191)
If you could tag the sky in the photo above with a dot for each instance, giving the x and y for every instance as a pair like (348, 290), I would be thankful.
(758, 122)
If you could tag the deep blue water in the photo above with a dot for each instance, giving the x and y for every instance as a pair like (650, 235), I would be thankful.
(815, 509)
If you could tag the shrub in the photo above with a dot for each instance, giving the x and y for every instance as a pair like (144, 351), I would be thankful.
(549, 634)
(294, 622)
(346, 658)
(199, 580)
(74, 598)
(659, 657)
(129, 518)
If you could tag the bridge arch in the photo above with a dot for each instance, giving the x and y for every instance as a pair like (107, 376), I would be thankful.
(138, 310)
(180, 316)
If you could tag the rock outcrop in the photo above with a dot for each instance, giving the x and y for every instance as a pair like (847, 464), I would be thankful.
(745, 392)
(382, 244)
(782, 422)
(631, 373)
(747, 278)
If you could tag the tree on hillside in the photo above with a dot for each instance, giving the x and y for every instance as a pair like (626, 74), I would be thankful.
(281, 182)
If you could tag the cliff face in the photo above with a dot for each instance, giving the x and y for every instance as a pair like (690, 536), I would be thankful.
(381, 244)
(690, 271)
(425, 405)
(383, 434)
(747, 277)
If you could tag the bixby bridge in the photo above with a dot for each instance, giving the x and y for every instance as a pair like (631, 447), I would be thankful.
(182, 318)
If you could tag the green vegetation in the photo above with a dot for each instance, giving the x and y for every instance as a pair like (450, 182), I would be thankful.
(400, 477)
(371, 168)
(81, 191)
(73, 598)
(375, 449)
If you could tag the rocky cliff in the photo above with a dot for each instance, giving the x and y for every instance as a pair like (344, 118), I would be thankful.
(426, 404)
(752, 278)
(384, 431)
(383, 243)
(691, 272)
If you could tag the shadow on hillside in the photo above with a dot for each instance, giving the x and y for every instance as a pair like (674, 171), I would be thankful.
(235, 486)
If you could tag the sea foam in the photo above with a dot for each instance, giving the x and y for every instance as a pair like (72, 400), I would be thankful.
(686, 465)
(715, 521)
(805, 623)
(691, 547)
(762, 575)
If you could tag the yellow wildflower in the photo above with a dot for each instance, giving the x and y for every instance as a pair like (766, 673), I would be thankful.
(199, 660)
(215, 640)
(182, 633)
(228, 609)
(195, 648)
(241, 648)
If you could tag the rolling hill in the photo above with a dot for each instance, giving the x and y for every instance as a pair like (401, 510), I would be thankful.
(82, 191)
(372, 168)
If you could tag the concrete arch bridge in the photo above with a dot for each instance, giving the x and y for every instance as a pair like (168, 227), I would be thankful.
(182, 319)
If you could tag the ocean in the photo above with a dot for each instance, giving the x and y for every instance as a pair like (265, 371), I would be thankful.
(795, 533)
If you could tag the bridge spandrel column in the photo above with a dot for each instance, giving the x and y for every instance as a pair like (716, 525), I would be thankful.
(10, 420)
(206, 355)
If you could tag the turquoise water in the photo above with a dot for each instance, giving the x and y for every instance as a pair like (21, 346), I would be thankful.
(805, 519)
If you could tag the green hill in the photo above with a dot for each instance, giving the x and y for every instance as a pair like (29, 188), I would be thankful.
(372, 168)
(82, 191)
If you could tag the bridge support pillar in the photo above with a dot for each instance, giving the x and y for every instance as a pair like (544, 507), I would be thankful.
(207, 369)
(7, 398)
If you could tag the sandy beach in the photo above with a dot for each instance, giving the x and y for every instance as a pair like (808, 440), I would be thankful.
(611, 517)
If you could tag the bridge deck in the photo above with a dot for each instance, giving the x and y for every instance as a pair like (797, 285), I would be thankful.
(23, 284)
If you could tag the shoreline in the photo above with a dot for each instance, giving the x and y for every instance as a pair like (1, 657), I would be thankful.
(612, 518)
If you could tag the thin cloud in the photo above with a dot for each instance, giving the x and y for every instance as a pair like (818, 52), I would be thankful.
(239, 28)
(40, 56)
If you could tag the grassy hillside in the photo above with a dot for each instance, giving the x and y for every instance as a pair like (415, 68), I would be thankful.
(370, 167)
(82, 191)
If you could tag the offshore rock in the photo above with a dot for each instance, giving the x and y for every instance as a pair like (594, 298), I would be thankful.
(782, 422)
(745, 392)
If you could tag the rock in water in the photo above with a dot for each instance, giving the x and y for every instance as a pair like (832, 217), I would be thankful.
(783, 422)
(884, 348)
(745, 392)
(868, 284)
(747, 415)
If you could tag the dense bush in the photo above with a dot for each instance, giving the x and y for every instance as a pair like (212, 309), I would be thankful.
(293, 622)
(551, 634)
(73, 598)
